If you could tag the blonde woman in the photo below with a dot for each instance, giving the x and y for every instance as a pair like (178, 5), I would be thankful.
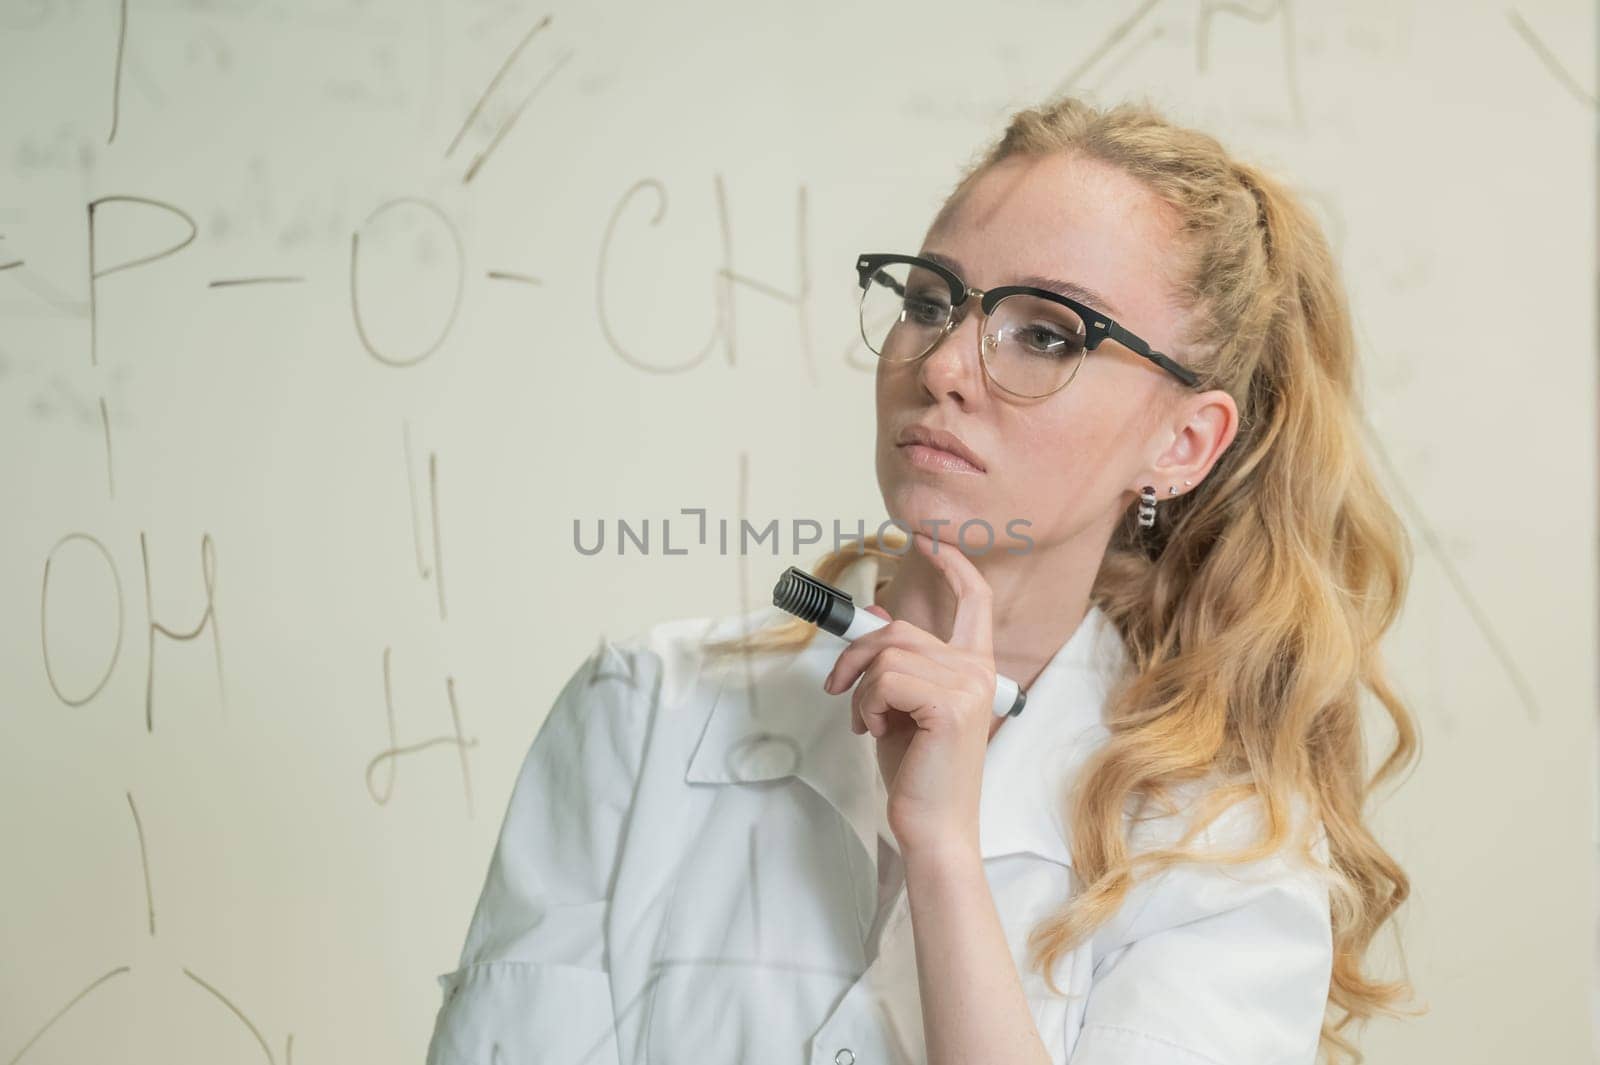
(1117, 413)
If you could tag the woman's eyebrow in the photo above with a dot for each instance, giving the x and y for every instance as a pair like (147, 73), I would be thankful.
(1070, 289)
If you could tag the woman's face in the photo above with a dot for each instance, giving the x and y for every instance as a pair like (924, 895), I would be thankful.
(1071, 461)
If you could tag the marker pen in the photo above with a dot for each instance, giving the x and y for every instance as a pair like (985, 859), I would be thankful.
(833, 610)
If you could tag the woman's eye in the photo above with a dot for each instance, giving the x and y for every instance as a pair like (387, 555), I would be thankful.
(924, 312)
(1044, 341)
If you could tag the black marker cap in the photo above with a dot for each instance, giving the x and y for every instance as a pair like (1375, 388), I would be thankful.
(815, 601)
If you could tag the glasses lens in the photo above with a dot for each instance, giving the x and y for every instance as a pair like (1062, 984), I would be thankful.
(904, 309)
(1037, 345)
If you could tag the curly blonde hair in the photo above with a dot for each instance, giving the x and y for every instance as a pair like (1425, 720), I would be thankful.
(1252, 613)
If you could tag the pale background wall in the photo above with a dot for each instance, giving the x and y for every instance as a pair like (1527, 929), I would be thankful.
(233, 846)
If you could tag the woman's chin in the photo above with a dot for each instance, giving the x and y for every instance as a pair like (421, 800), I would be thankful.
(944, 520)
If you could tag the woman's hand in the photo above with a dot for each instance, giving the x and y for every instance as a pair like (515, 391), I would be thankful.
(930, 703)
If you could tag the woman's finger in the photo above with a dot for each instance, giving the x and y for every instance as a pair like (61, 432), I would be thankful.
(886, 692)
(973, 629)
(860, 653)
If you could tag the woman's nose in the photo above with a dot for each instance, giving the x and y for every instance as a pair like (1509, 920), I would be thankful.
(955, 364)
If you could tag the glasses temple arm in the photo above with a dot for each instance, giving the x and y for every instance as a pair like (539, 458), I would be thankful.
(1134, 344)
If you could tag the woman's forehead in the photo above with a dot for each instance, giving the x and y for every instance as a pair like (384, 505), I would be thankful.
(1051, 197)
(1061, 216)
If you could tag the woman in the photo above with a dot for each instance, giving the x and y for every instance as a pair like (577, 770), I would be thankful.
(1125, 359)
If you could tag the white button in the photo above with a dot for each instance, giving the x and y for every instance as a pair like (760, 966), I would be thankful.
(846, 1056)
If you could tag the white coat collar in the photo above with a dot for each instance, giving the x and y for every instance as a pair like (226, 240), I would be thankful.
(770, 719)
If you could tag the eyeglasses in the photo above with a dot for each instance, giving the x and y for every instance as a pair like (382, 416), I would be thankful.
(1033, 340)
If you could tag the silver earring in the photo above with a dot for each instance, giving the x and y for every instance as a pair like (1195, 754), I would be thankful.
(1147, 506)
(1172, 489)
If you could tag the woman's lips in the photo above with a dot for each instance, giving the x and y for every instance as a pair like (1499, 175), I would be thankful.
(932, 458)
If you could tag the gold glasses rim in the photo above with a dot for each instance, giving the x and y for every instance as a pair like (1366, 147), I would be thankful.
(986, 342)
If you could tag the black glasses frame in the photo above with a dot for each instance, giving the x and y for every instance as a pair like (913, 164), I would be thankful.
(1097, 326)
